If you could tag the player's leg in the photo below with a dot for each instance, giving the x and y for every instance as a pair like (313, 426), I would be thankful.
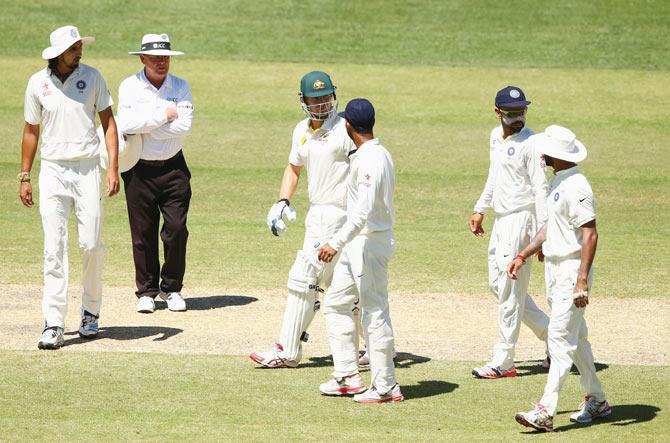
(88, 211)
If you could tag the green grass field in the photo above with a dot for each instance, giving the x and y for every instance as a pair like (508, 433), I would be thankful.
(432, 69)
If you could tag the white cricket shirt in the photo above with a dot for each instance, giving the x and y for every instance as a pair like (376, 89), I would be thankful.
(325, 155)
(66, 112)
(517, 176)
(369, 193)
(142, 111)
(570, 204)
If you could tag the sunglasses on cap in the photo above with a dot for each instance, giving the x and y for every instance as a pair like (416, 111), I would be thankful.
(513, 112)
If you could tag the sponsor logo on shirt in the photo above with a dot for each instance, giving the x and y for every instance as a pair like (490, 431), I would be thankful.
(46, 90)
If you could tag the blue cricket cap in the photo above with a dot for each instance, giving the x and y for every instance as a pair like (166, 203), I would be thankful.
(511, 97)
(359, 113)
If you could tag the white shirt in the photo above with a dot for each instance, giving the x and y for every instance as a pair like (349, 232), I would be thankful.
(67, 111)
(325, 155)
(369, 193)
(142, 111)
(571, 204)
(517, 176)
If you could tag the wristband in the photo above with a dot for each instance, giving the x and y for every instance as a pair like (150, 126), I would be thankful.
(288, 203)
(580, 294)
(520, 257)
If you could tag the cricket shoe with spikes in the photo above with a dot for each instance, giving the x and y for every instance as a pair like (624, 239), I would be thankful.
(491, 372)
(538, 418)
(273, 359)
(351, 384)
(591, 409)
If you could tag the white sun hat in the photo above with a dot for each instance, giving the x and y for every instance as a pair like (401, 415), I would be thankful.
(559, 142)
(156, 44)
(61, 39)
(130, 149)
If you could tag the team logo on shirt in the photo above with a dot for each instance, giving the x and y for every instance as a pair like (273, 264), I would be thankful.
(556, 197)
(81, 85)
(511, 151)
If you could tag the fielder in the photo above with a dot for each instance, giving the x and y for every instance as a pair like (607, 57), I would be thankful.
(321, 146)
(64, 98)
(365, 244)
(568, 241)
(516, 190)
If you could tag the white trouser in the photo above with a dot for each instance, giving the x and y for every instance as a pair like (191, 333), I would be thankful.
(511, 233)
(568, 334)
(321, 223)
(361, 275)
(65, 185)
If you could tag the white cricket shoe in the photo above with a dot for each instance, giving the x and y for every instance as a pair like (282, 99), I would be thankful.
(538, 418)
(351, 384)
(591, 409)
(372, 396)
(52, 338)
(174, 301)
(88, 328)
(273, 359)
(146, 305)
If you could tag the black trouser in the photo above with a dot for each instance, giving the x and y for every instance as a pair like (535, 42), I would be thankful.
(154, 188)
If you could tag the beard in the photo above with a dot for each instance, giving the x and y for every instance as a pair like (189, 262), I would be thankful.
(549, 161)
(513, 124)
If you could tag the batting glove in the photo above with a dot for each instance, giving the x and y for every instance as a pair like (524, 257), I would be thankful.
(279, 214)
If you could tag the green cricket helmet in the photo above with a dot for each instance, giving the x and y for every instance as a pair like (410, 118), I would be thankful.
(318, 87)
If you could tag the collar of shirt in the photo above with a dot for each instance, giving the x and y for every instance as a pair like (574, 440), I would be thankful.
(513, 137)
(327, 125)
(355, 152)
(74, 74)
(167, 83)
(565, 173)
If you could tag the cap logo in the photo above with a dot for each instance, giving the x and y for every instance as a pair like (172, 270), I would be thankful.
(514, 93)
(318, 85)
(164, 37)
(74, 33)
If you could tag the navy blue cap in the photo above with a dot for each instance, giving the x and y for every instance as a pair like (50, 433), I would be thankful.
(511, 97)
(359, 113)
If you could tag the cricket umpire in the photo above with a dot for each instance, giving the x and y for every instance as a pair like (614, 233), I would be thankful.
(568, 241)
(365, 244)
(516, 190)
(63, 99)
(159, 106)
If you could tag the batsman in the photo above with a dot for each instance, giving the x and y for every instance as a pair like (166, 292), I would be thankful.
(321, 146)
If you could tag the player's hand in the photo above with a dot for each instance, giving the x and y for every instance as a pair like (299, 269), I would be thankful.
(171, 113)
(476, 224)
(514, 266)
(540, 256)
(581, 293)
(26, 194)
(113, 184)
(279, 214)
(326, 253)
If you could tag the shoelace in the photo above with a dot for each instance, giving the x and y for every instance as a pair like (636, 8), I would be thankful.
(591, 406)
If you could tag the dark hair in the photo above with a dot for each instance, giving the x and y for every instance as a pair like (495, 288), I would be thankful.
(362, 130)
(53, 63)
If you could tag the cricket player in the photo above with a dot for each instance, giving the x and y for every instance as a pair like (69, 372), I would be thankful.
(568, 241)
(516, 190)
(158, 106)
(63, 99)
(321, 146)
(365, 244)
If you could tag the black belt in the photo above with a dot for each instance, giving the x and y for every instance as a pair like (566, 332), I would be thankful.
(178, 156)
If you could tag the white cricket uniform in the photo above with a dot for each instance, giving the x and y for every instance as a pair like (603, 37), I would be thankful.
(324, 155)
(69, 178)
(142, 111)
(516, 190)
(571, 204)
(365, 244)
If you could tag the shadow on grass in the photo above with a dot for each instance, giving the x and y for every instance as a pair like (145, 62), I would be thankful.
(210, 302)
(126, 333)
(427, 388)
(622, 415)
(534, 367)
(402, 361)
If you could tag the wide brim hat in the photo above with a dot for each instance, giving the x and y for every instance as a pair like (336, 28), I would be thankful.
(130, 149)
(156, 44)
(61, 39)
(559, 142)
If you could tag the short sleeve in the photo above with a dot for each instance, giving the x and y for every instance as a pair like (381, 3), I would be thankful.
(103, 99)
(583, 208)
(296, 157)
(32, 108)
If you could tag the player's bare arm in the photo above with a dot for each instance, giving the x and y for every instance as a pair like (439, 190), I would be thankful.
(31, 135)
(112, 144)
(533, 247)
(289, 181)
(589, 244)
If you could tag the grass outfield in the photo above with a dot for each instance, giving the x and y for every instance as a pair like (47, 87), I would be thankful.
(120, 397)
(435, 121)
